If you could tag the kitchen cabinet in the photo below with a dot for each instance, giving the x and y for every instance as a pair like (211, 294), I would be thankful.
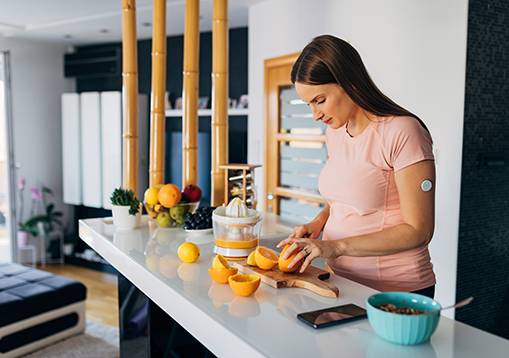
(92, 147)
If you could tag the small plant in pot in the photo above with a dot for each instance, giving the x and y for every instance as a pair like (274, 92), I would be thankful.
(126, 209)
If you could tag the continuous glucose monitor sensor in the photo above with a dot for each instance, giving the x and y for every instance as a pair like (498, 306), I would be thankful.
(426, 185)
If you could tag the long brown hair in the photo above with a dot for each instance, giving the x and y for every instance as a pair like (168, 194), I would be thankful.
(328, 59)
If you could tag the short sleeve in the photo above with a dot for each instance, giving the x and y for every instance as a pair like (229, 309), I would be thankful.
(407, 142)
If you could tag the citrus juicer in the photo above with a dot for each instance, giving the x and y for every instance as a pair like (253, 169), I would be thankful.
(236, 230)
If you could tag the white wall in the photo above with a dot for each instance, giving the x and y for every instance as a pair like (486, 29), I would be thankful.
(37, 84)
(415, 51)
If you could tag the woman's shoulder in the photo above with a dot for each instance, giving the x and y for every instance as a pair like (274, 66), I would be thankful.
(400, 125)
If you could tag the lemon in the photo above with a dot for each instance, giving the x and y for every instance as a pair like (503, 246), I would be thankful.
(251, 259)
(188, 252)
(151, 196)
(220, 263)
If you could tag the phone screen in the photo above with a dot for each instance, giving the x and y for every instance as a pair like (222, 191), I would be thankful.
(334, 315)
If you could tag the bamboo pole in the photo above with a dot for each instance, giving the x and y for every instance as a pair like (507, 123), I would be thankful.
(129, 96)
(157, 105)
(219, 100)
(190, 93)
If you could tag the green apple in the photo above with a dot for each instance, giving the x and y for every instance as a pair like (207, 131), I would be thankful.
(164, 219)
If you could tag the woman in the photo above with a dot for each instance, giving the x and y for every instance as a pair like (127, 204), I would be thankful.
(378, 180)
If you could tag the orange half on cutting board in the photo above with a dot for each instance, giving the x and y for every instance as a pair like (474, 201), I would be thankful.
(265, 258)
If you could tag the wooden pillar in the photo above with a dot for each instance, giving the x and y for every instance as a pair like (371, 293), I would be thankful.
(157, 105)
(219, 100)
(129, 96)
(190, 93)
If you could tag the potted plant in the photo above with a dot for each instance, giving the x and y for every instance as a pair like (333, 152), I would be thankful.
(48, 219)
(126, 209)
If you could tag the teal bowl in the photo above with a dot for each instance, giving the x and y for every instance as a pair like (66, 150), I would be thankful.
(399, 328)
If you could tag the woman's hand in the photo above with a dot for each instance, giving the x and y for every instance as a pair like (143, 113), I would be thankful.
(312, 230)
(309, 249)
(309, 231)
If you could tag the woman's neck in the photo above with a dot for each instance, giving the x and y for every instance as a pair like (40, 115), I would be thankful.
(359, 123)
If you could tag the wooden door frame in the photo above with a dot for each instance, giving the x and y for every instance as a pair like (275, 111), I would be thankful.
(271, 149)
(272, 136)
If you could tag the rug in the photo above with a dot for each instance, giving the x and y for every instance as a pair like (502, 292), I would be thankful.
(98, 340)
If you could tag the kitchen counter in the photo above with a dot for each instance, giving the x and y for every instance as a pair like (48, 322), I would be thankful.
(265, 324)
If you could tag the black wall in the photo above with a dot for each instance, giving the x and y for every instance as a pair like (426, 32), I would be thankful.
(174, 59)
(483, 256)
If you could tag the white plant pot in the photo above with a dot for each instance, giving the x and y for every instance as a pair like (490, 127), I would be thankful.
(123, 220)
(23, 238)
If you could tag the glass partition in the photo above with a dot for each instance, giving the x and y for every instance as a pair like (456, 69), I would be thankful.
(7, 221)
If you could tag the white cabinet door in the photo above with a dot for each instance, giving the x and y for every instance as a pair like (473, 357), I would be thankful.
(111, 127)
(71, 149)
(91, 149)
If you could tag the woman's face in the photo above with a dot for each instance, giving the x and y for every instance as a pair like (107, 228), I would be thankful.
(329, 103)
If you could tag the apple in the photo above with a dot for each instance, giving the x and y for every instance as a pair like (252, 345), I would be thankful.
(192, 193)
(164, 219)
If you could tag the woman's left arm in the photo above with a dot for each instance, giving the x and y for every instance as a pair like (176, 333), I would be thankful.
(418, 214)
(417, 211)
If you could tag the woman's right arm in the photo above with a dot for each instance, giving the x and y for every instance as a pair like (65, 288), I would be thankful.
(312, 229)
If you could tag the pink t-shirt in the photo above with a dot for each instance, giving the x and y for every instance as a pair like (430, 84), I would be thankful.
(358, 183)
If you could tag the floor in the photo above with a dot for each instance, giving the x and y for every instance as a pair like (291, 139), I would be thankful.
(102, 291)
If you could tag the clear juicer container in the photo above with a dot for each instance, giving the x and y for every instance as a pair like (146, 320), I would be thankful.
(236, 237)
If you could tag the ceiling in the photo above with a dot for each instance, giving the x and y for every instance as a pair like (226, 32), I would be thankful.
(83, 22)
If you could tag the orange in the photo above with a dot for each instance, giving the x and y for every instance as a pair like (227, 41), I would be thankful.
(283, 264)
(244, 284)
(265, 258)
(251, 259)
(169, 195)
(220, 263)
(222, 275)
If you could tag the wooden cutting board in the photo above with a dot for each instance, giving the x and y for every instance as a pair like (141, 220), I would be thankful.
(311, 279)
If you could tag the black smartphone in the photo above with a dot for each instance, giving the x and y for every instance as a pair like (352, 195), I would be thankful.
(334, 315)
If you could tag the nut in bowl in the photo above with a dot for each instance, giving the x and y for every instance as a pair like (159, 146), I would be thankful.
(170, 217)
(412, 326)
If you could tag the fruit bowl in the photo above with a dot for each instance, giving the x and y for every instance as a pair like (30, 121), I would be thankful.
(170, 217)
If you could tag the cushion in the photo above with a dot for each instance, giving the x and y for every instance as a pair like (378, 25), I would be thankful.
(34, 275)
(7, 282)
(13, 269)
(27, 292)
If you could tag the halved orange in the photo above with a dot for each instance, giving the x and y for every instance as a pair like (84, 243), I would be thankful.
(222, 275)
(283, 264)
(265, 258)
(220, 263)
(244, 284)
(251, 259)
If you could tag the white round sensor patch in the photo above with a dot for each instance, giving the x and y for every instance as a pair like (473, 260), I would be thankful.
(426, 185)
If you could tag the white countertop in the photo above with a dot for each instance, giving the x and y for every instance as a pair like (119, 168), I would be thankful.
(265, 324)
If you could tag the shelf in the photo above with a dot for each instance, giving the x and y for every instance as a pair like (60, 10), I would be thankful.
(208, 112)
